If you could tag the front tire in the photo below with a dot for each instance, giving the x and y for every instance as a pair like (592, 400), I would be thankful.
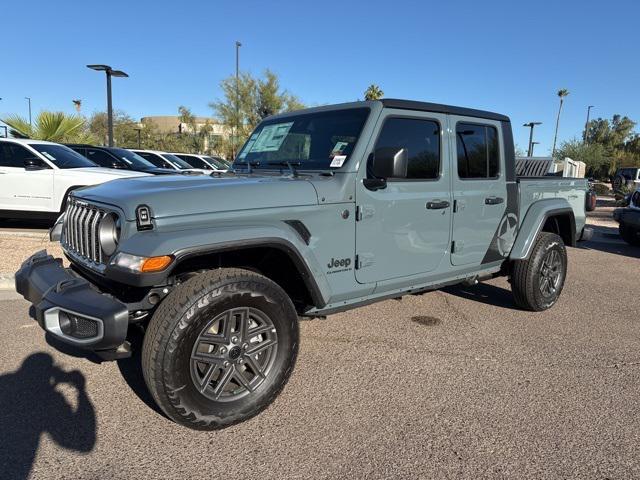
(537, 282)
(220, 348)
(629, 235)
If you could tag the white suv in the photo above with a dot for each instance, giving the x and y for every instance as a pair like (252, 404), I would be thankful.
(37, 176)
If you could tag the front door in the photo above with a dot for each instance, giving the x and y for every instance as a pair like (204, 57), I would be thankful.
(479, 190)
(404, 228)
(20, 189)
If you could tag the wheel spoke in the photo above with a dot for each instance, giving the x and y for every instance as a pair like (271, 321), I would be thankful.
(259, 330)
(223, 381)
(210, 358)
(207, 377)
(253, 364)
(243, 322)
(261, 346)
(239, 376)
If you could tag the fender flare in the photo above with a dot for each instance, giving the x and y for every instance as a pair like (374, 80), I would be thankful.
(533, 222)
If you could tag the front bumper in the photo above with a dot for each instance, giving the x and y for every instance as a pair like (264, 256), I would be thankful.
(72, 309)
(627, 216)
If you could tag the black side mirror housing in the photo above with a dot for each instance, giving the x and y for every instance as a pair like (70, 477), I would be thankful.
(390, 162)
(34, 163)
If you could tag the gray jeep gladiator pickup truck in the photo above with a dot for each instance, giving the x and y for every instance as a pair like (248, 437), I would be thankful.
(325, 210)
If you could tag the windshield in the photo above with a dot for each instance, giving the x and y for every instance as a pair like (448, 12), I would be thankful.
(135, 161)
(217, 163)
(178, 162)
(313, 140)
(61, 156)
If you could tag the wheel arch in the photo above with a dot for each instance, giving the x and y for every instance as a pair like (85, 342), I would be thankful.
(551, 215)
(276, 258)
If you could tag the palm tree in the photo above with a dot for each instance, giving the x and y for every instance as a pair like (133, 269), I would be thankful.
(51, 126)
(563, 92)
(373, 92)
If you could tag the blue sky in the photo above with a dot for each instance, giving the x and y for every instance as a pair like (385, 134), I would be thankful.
(506, 56)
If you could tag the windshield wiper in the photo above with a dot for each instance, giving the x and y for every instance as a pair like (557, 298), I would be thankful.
(291, 165)
(249, 165)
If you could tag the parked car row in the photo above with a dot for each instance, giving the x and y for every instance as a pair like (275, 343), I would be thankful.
(37, 176)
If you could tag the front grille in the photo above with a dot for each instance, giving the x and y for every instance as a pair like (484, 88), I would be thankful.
(80, 231)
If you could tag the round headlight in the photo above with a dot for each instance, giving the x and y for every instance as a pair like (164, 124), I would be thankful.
(109, 233)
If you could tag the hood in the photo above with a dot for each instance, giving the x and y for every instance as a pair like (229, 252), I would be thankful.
(104, 172)
(175, 195)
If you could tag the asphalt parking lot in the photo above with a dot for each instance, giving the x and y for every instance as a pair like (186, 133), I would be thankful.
(451, 384)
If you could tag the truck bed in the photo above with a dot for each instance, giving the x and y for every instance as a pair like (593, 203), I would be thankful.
(532, 189)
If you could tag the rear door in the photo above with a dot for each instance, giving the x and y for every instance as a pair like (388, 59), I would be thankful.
(404, 228)
(479, 188)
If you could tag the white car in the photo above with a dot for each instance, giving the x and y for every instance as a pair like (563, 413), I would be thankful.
(37, 176)
(204, 162)
(167, 160)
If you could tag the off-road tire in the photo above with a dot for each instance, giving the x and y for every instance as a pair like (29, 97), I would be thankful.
(178, 324)
(629, 235)
(527, 275)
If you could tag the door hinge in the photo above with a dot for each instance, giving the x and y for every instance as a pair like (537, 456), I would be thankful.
(364, 211)
(455, 206)
(453, 247)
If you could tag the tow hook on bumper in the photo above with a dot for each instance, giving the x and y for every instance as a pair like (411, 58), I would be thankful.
(72, 309)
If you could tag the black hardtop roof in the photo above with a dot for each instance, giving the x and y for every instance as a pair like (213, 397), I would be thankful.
(439, 108)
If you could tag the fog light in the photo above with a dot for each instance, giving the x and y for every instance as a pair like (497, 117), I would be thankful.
(77, 326)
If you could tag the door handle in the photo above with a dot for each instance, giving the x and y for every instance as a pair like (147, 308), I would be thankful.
(437, 204)
(493, 200)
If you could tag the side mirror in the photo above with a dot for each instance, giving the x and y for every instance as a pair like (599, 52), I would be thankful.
(390, 162)
(34, 163)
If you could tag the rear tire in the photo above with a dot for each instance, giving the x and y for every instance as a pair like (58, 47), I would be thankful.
(537, 282)
(629, 235)
(220, 348)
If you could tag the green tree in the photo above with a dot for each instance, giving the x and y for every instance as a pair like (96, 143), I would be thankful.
(563, 92)
(245, 103)
(50, 126)
(125, 128)
(595, 155)
(373, 92)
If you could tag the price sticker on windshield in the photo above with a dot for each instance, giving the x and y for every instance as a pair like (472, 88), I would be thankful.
(337, 161)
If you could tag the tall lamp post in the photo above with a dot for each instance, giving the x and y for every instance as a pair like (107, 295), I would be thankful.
(586, 125)
(29, 100)
(110, 73)
(237, 125)
(531, 125)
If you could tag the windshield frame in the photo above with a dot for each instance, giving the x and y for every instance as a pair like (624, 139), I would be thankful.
(293, 117)
(41, 148)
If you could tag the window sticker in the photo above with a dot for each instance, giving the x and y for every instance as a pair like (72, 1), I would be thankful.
(49, 156)
(338, 148)
(247, 149)
(337, 161)
(271, 137)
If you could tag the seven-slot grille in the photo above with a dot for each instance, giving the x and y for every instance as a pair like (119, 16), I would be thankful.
(80, 230)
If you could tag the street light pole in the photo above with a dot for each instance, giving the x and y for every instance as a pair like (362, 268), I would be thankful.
(531, 125)
(29, 100)
(110, 73)
(237, 125)
(586, 125)
(533, 144)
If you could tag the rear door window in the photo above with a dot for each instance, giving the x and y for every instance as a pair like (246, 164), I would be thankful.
(477, 150)
(102, 158)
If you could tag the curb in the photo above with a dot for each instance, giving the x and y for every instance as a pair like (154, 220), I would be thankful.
(39, 235)
(7, 282)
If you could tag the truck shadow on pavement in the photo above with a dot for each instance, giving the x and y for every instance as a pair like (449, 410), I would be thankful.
(484, 293)
(607, 239)
(32, 405)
